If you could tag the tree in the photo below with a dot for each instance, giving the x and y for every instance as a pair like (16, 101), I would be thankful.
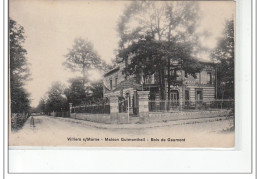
(42, 106)
(170, 21)
(166, 30)
(82, 57)
(19, 70)
(56, 101)
(75, 93)
(20, 102)
(223, 55)
(145, 58)
(97, 91)
(151, 56)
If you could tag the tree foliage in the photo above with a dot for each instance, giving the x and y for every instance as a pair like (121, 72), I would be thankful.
(76, 93)
(82, 57)
(56, 100)
(149, 56)
(58, 97)
(19, 70)
(224, 56)
(97, 92)
(20, 102)
(155, 35)
(42, 106)
(169, 21)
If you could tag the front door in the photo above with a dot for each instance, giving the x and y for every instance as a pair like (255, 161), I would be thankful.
(174, 98)
(199, 96)
(187, 97)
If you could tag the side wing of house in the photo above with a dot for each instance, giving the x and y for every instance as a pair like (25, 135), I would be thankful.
(201, 87)
(112, 79)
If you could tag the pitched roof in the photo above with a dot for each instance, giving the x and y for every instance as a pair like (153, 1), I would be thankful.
(112, 71)
(129, 83)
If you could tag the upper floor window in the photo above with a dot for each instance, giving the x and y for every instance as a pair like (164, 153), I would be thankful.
(209, 78)
(186, 74)
(111, 84)
(116, 81)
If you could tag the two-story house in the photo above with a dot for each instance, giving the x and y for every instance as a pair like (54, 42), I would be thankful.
(189, 90)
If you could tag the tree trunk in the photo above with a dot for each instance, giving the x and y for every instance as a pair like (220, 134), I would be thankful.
(163, 84)
(222, 98)
(169, 81)
(160, 83)
(84, 75)
(169, 62)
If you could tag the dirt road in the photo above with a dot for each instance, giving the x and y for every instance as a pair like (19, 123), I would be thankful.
(49, 131)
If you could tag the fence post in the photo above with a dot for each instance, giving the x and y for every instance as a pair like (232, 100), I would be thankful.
(143, 104)
(114, 110)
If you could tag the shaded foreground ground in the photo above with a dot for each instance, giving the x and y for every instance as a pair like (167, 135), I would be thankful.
(49, 131)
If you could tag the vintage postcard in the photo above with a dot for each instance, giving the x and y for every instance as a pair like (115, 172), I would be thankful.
(156, 74)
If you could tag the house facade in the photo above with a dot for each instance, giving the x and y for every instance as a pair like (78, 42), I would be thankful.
(188, 91)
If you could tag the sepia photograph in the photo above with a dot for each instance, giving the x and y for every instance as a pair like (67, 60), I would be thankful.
(155, 74)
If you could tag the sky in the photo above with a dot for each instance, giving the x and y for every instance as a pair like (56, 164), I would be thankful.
(52, 25)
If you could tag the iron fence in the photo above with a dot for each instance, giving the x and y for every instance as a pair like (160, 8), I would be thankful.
(62, 114)
(92, 109)
(156, 106)
(165, 105)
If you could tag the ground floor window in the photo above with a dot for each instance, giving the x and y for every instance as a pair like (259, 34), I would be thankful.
(199, 94)
(174, 95)
(187, 95)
